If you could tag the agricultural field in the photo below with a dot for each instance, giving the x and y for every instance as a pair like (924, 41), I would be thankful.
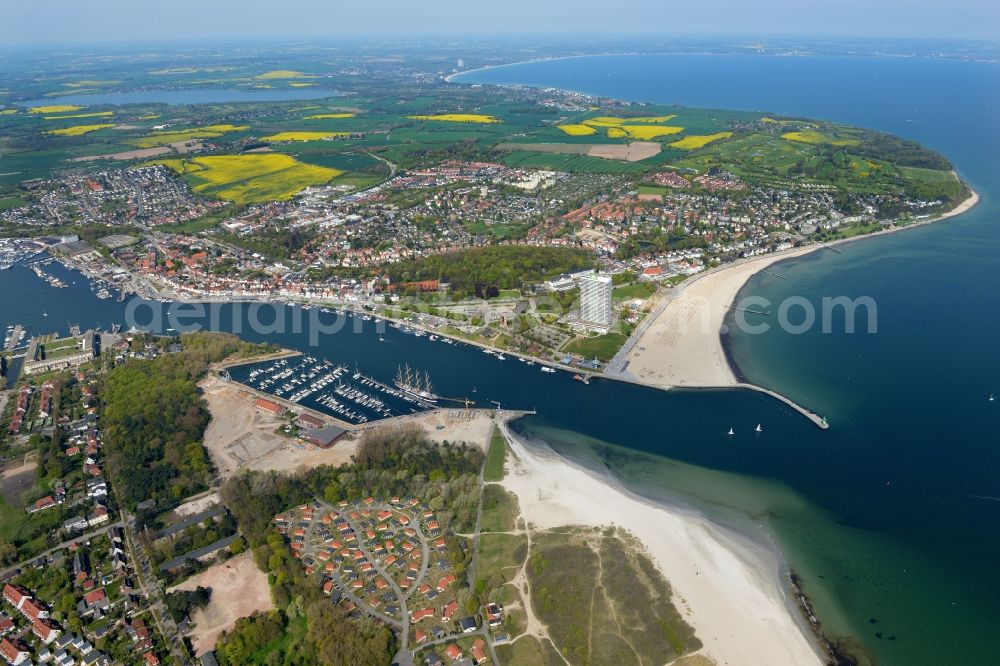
(79, 130)
(695, 141)
(246, 179)
(642, 132)
(55, 108)
(167, 137)
(282, 74)
(330, 116)
(577, 130)
(281, 137)
(95, 114)
(816, 138)
(413, 125)
(459, 118)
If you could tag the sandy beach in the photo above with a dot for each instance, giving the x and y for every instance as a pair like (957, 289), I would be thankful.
(679, 344)
(729, 587)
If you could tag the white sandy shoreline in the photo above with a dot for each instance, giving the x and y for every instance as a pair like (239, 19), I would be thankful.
(728, 586)
(679, 345)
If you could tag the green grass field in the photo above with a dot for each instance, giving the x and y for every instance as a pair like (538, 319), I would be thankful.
(495, 457)
(498, 552)
(602, 347)
(639, 290)
(529, 651)
(500, 509)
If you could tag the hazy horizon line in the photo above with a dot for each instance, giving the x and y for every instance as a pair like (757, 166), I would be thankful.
(465, 38)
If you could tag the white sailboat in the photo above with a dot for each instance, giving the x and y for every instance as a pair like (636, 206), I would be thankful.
(992, 398)
(731, 433)
(758, 428)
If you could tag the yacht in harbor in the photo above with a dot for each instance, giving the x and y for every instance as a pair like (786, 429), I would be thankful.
(758, 428)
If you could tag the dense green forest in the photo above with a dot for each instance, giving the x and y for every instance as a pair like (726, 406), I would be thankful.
(502, 267)
(153, 419)
(306, 628)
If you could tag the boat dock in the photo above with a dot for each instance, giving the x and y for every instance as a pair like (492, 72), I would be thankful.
(16, 334)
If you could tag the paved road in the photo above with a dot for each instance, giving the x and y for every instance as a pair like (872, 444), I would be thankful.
(151, 588)
(61, 546)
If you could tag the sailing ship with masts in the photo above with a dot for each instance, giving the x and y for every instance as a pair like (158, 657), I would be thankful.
(415, 383)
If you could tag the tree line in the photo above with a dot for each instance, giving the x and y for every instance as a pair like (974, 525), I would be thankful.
(502, 266)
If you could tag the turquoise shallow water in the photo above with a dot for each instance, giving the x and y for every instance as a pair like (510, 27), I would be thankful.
(888, 515)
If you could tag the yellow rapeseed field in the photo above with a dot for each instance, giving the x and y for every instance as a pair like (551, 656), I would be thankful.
(814, 137)
(8, 112)
(577, 130)
(283, 74)
(616, 133)
(699, 140)
(613, 121)
(647, 132)
(323, 116)
(54, 108)
(94, 114)
(459, 118)
(252, 178)
(300, 84)
(304, 136)
(78, 130)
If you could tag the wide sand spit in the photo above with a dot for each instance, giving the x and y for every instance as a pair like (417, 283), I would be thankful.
(728, 587)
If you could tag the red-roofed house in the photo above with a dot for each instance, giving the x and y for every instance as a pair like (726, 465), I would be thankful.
(478, 651)
(33, 610)
(445, 582)
(448, 611)
(45, 630)
(424, 613)
(453, 652)
(15, 595)
(494, 614)
(419, 636)
(14, 652)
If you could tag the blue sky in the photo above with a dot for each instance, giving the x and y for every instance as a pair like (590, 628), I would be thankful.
(74, 21)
